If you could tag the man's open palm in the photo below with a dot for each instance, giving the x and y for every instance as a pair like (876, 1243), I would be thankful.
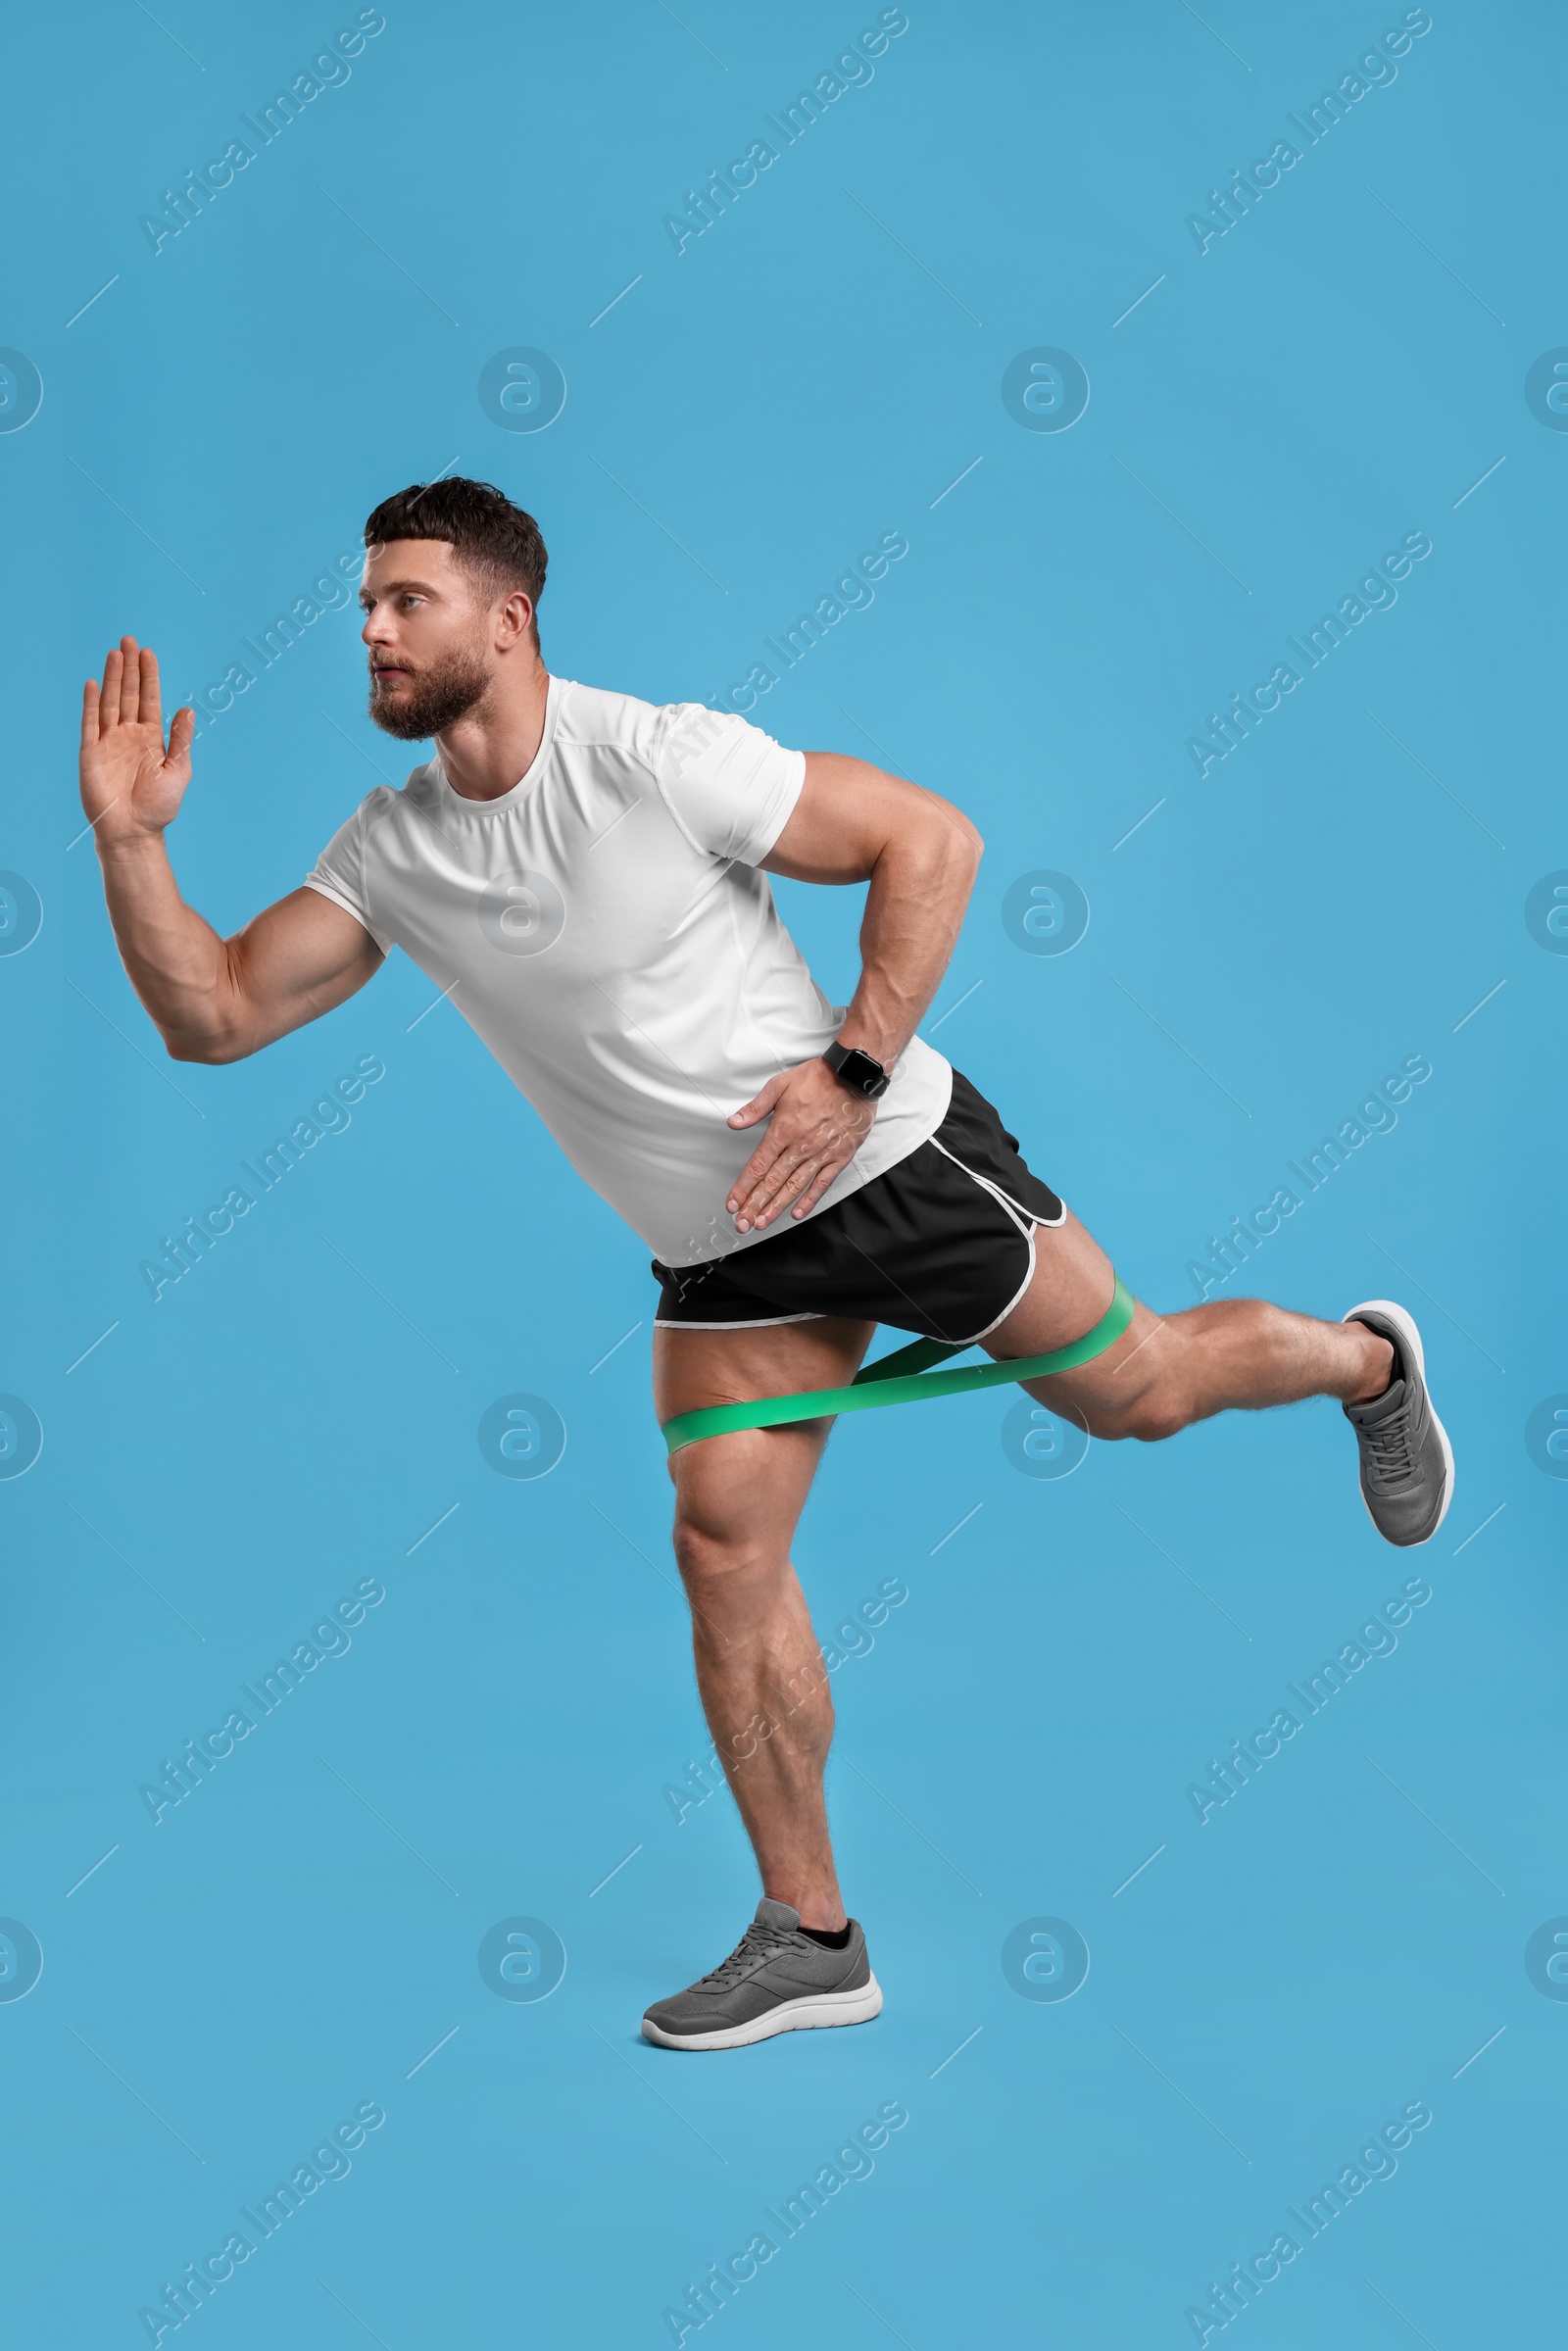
(131, 786)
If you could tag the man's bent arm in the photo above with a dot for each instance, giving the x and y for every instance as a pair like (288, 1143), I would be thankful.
(854, 823)
(212, 998)
(215, 998)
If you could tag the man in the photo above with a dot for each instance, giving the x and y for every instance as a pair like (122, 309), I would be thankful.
(585, 875)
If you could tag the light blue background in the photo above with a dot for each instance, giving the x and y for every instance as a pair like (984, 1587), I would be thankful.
(805, 377)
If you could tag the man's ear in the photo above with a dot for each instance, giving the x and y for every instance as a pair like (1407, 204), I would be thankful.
(514, 620)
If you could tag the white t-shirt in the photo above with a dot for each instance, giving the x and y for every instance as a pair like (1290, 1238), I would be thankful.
(604, 927)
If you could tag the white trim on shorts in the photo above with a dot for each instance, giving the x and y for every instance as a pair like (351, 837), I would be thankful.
(1025, 1222)
(1017, 1295)
(762, 1322)
(1050, 1223)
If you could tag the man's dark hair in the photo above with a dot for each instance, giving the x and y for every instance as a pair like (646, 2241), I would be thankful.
(494, 540)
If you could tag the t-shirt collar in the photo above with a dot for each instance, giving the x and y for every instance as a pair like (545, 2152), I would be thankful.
(524, 784)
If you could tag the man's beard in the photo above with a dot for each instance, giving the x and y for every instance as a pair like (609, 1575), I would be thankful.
(441, 694)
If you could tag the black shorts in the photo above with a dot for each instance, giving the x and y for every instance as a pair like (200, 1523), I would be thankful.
(943, 1244)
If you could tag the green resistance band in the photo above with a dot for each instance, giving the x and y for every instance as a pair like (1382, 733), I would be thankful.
(903, 1377)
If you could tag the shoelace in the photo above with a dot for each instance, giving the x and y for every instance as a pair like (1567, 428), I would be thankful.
(1388, 1443)
(756, 1942)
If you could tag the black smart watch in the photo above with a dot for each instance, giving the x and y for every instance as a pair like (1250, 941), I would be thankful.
(861, 1072)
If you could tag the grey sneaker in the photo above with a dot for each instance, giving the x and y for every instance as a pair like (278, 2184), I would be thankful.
(1406, 1459)
(776, 1979)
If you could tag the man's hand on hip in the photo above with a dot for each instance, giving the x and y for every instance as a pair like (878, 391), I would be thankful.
(815, 1126)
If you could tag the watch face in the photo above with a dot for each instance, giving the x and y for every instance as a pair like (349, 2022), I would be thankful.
(866, 1076)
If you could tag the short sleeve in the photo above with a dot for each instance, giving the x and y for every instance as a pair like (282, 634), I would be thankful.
(339, 874)
(729, 787)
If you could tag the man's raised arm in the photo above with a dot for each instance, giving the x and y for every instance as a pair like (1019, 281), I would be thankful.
(212, 998)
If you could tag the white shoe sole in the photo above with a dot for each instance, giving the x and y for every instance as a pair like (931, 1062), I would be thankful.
(1410, 1342)
(791, 2016)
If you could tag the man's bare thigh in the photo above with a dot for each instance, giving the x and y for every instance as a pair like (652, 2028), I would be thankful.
(1070, 1291)
(695, 1368)
(757, 1478)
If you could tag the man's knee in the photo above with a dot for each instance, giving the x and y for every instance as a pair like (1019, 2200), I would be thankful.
(708, 1553)
(1157, 1411)
(721, 1505)
(1154, 1418)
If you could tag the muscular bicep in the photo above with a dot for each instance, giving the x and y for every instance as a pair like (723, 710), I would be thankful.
(849, 813)
(292, 962)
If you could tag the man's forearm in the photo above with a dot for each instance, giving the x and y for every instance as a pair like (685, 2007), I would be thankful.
(915, 909)
(177, 962)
